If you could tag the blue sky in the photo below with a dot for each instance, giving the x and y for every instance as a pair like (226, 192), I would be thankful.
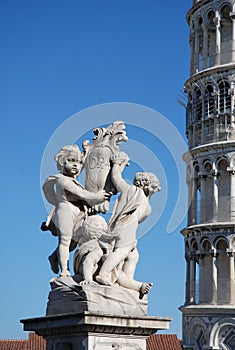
(58, 58)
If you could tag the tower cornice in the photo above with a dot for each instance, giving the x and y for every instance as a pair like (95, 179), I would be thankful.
(208, 72)
(208, 147)
(209, 227)
(208, 309)
(195, 8)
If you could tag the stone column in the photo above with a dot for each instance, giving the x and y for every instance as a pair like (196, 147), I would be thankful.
(216, 122)
(187, 294)
(233, 98)
(201, 279)
(194, 138)
(232, 15)
(231, 172)
(196, 50)
(203, 125)
(215, 195)
(205, 46)
(203, 198)
(214, 278)
(192, 279)
(217, 38)
(232, 277)
(192, 50)
(192, 202)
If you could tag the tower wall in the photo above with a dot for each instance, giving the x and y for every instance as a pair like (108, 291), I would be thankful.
(209, 309)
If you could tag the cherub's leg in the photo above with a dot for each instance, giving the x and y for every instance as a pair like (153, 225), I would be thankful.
(64, 221)
(63, 253)
(53, 259)
(73, 245)
(112, 261)
(127, 282)
(130, 263)
(90, 265)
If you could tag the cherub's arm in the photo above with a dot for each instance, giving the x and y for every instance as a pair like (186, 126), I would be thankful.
(91, 198)
(116, 176)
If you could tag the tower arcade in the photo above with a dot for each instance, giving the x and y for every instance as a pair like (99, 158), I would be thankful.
(209, 309)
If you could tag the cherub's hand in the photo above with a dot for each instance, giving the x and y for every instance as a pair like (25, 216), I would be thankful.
(121, 159)
(101, 196)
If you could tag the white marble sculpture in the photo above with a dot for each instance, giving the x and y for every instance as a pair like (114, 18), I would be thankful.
(107, 254)
(132, 208)
(71, 201)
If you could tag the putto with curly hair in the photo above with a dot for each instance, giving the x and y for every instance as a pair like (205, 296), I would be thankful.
(71, 201)
(132, 208)
(66, 151)
(147, 181)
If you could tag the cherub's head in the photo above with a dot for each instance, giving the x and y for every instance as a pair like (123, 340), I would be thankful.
(148, 182)
(95, 226)
(69, 160)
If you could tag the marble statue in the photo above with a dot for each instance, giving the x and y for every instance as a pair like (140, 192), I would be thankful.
(71, 201)
(106, 251)
(132, 208)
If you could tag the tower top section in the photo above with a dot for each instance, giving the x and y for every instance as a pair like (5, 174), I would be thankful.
(211, 85)
(212, 34)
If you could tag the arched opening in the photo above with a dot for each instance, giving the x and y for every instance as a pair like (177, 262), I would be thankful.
(197, 105)
(209, 102)
(198, 334)
(208, 192)
(206, 273)
(223, 269)
(226, 34)
(209, 108)
(200, 43)
(193, 275)
(229, 339)
(225, 11)
(211, 39)
(189, 111)
(224, 97)
(223, 191)
(222, 335)
(208, 130)
(190, 184)
(193, 183)
(197, 185)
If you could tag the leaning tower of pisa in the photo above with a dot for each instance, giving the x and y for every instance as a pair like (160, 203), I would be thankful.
(209, 309)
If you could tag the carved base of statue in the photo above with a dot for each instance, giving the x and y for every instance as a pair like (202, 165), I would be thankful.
(95, 331)
(68, 296)
(88, 316)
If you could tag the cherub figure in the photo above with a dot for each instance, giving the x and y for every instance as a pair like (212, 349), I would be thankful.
(72, 203)
(91, 247)
(132, 208)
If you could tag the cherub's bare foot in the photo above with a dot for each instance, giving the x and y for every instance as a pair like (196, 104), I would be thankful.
(144, 289)
(54, 264)
(85, 282)
(65, 273)
(104, 280)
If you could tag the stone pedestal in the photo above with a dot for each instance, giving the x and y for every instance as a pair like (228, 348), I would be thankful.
(68, 296)
(95, 331)
(94, 317)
